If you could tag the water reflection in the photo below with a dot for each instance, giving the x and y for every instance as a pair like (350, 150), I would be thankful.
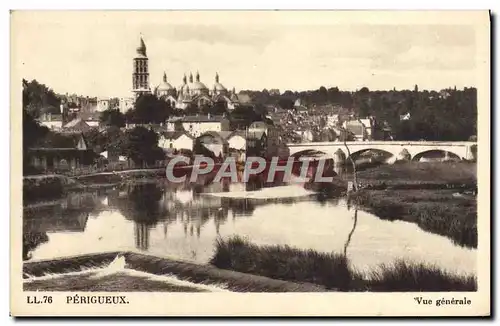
(183, 220)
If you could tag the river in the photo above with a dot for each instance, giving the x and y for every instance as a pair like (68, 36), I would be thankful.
(183, 221)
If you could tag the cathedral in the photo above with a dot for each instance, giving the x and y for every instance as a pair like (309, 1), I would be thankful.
(191, 92)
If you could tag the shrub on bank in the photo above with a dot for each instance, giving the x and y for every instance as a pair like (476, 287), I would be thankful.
(43, 187)
(283, 262)
(332, 270)
(404, 276)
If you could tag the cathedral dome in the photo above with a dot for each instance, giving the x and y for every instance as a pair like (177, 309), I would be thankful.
(198, 86)
(165, 86)
(219, 87)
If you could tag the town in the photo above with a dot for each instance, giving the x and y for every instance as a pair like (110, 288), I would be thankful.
(85, 134)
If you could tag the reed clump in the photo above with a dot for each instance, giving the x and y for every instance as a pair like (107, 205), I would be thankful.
(332, 270)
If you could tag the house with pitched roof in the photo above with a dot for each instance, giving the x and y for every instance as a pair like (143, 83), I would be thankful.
(199, 124)
(51, 120)
(175, 140)
(61, 151)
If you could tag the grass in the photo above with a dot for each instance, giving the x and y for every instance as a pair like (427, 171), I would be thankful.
(332, 270)
(404, 276)
(453, 173)
(283, 262)
(436, 211)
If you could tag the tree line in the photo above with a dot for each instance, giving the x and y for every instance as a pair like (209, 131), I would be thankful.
(449, 114)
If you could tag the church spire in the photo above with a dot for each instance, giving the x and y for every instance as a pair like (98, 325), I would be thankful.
(190, 77)
(216, 77)
(184, 79)
(164, 77)
(141, 49)
(197, 76)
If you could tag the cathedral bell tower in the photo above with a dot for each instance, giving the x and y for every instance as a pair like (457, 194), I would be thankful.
(140, 76)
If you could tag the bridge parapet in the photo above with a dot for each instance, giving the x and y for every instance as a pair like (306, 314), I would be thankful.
(461, 149)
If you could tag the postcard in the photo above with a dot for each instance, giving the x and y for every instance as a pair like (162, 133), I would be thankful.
(250, 163)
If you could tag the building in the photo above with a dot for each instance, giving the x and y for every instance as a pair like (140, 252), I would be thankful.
(264, 136)
(103, 105)
(125, 104)
(51, 121)
(194, 92)
(140, 76)
(357, 129)
(197, 125)
(332, 120)
(299, 105)
(368, 123)
(77, 125)
(236, 140)
(77, 103)
(61, 151)
(175, 140)
(237, 145)
(191, 92)
(90, 118)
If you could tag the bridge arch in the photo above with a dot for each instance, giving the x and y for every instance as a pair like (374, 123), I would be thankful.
(437, 154)
(310, 152)
(386, 154)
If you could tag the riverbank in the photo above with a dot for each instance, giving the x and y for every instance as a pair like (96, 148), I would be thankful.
(51, 186)
(332, 270)
(443, 212)
(421, 174)
(46, 186)
(430, 195)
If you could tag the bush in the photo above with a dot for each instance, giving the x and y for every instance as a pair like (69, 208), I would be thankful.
(283, 262)
(404, 276)
(43, 187)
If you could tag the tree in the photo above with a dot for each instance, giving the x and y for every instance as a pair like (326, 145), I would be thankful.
(112, 117)
(243, 116)
(141, 146)
(149, 109)
(111, 139)
(322, 95)
(286, 103)
(38, 98)
(32, 130)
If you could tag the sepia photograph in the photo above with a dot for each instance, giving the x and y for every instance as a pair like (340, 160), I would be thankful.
(158, 154)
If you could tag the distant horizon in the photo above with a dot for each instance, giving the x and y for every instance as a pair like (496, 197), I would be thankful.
(93, 56)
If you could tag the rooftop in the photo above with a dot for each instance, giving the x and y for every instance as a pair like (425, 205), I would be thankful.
(200, 118)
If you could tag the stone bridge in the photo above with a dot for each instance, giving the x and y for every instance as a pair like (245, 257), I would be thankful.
(414, 149)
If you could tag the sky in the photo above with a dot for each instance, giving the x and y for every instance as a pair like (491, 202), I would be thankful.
(90, 53)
